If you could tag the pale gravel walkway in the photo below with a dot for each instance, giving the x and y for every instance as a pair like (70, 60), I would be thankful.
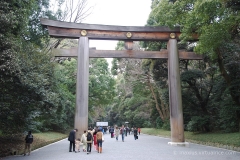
(145, 148)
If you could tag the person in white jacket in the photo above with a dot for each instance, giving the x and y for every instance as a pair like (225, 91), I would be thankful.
(84, 141)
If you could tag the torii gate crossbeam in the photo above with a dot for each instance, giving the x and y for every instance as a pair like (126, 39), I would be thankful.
(84, 32)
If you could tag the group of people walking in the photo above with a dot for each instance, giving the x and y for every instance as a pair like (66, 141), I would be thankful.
(90, 137)
(123, 131)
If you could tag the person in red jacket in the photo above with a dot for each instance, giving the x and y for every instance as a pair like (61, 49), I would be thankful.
(139, 130)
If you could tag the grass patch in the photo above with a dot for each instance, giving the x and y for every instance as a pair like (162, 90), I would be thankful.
(14, 144)
(222, 140)
(42, 139)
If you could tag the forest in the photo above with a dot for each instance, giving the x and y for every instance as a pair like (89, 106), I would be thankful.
(37, 90)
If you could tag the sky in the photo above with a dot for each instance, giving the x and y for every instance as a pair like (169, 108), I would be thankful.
(117, 12)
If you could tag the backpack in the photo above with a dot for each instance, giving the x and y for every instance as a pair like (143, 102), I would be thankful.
(29, 138)
(89, 136)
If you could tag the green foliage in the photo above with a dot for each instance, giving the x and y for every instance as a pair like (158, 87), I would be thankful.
(147, 124)
(159, 123)
(204, 91)
(197, 123)
(166, 125)
(101, 88)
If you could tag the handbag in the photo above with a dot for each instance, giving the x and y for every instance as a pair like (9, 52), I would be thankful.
(102, 137)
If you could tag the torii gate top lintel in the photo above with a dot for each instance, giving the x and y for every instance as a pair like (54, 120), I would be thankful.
(109, 32)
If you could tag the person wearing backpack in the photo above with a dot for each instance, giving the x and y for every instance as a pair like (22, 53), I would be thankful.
(28, 140)
(89, 140)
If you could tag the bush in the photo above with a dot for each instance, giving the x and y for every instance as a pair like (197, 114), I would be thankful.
(166, 125)
(159, 123)
(197, 123)
(147, 124)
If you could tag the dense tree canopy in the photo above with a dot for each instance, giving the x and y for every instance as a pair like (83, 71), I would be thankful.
(216, 22)
(38, 91)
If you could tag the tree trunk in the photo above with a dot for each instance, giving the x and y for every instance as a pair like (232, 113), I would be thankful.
(155, 99)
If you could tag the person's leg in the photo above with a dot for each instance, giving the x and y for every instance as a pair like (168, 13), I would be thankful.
(70, 147)
(73, 146)
(90, 146)
(25, 149)
(98, 143)
(29, 149)
(84, 147)
(100, 146)
(123, 137)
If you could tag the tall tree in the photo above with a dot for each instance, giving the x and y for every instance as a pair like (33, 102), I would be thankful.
(216, 23)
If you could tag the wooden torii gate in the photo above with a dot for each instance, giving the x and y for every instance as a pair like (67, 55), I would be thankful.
(84, 32)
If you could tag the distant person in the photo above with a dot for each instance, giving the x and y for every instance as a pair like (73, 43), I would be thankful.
(28, 140)
(122, 132)
(84, 141)
(135, 133)
(111, 130)
(100, 127)
(77, 145)
(72, 139)
(126, 131)
(105, 130)
(89, 140)
(129, 131)
(139, 130)
(100, 140)
(117, 132)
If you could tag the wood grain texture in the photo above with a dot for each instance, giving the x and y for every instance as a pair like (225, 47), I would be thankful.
(72, 52)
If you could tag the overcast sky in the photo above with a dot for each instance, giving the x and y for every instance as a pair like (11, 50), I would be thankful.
(117, 12)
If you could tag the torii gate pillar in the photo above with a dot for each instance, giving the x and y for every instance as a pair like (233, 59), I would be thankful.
(175, 95)
(81, 113)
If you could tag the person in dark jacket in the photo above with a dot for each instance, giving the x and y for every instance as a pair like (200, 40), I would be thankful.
(135, 133)
(111, 130)
(72, 138)
(28, 140)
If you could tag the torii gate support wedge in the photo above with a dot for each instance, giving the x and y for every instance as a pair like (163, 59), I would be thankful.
(84, 32)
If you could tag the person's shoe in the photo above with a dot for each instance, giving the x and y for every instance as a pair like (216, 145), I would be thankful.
(24, 154)
(75, 151)
(70, 151)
